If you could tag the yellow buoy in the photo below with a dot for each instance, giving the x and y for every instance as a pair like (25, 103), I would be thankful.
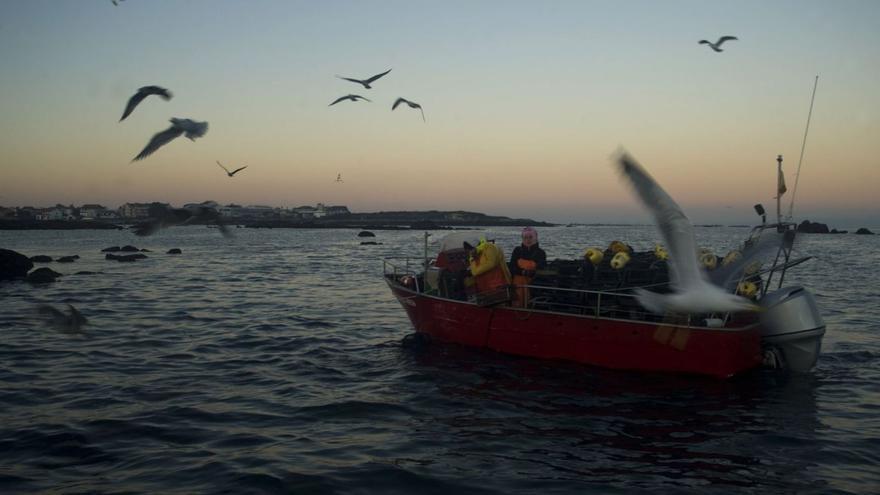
(747, 289)
(731, 256)
(752, 268)
(618, 247)
(594, 255)
(619, 260)
(709, 261)
(660, 252)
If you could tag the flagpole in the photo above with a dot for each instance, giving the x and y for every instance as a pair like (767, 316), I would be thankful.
(778, 189)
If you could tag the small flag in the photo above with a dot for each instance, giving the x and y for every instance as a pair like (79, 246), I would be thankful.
(781, 182)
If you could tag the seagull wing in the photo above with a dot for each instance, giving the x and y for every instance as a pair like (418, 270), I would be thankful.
(676, 229)
(133, 102)
(347, 97)
(353, 80)
(704, 42)
(398, 102)
(221, 166)
(765, 246)
(159, 140)
(725, 38)
(238, 170)
(355, 97)
(377, 76)
(423, 113)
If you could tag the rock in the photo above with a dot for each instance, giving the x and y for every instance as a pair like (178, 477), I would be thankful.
(41, 258)
(864, 231)
(370, 243)
(366, 233)
(173, 251)
(67, 259)
(85, 272)
(145, 250)
(128, 248)
(809, 227)
(111, 249)
(125, 257)
(13, 265)
(42, 276)
(835, 231)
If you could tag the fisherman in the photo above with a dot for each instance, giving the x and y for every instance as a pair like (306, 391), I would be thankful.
(487, 266)
(525, 260)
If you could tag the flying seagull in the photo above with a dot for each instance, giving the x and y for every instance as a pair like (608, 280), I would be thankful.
(339, 178)
(691, 290)
(71, 323)
(717, 45)
(411, 105)
(365, 82)
(348, 97)
(190, 128)
(206, 212)
(116, 2)
(239, 169)
(141, 94)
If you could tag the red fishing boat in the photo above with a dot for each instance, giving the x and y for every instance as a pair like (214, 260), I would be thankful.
(587, 313)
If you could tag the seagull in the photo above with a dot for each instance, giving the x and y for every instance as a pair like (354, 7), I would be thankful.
(239, 169)
(143, 93)
(206, 212)
(339, 178)
(190, 128)
(365, 82)
(691, 290)
(116, 2)
(411, 105)
(717, 45)
(71, 323)
(348, 97)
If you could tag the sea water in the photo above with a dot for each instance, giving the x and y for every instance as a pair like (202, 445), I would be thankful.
(274, 362)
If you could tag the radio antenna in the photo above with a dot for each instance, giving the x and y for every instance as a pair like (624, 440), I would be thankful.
(803, 146)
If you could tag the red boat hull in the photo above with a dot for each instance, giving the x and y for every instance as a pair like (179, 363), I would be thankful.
(606, 342)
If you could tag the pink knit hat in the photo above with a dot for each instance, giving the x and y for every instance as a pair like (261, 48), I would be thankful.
(529, 237)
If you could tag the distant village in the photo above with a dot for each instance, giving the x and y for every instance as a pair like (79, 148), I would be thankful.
(141, 211)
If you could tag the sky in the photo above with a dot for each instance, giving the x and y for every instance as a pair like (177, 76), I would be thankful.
(526, 103)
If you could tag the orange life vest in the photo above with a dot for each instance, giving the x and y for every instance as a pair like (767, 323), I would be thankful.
(522, 293)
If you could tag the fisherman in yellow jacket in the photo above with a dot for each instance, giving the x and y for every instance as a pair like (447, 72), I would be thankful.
(488, 266)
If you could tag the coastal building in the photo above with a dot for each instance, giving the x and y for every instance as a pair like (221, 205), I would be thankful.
(90, 212)
(57, 212)
(255, 211)
(134, 210)
(7, 213)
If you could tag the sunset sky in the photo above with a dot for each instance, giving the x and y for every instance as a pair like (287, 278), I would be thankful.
(525, 104)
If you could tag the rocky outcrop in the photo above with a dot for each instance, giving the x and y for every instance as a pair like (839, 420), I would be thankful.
(42, 276)
(13, 265)
(41, 258)
(128, 248)
(808, 227)
(68, 259)
(111, 249)
(174, 251)
(366, 233)
(123, 258)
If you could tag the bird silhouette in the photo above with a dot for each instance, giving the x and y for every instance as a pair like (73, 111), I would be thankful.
(365, 82)
(717, 45)
(411, 105)
(116, 2)
(141, 94)
(348, 97)
(67, 323)
(339, 178)
(190, 128)
(239, 169)
(206, 212)
(691, 290)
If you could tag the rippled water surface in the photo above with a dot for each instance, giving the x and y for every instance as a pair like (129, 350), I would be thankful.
(273, 363)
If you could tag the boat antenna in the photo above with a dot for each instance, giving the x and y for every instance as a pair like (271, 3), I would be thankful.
(803, 145)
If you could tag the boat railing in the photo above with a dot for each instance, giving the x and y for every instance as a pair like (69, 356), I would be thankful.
(618, 303)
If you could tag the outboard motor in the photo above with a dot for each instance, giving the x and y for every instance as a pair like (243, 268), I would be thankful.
(792, 329)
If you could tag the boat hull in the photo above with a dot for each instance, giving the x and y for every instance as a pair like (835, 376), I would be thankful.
(606, 342)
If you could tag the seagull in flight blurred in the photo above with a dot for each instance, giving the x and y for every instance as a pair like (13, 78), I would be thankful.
(190, 128)
(116, 2)
(691, 290)
(717, 45)
(365, 82)
(141, 94)
(339, 178)
(206, 212)
(411, 105)
(348, 97)
(71, 323)
(239, 169)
